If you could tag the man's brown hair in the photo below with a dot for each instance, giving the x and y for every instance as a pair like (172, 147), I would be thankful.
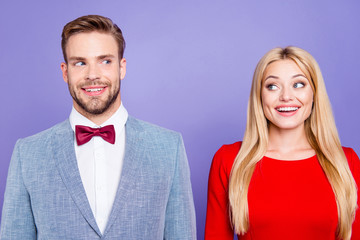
(91, 23)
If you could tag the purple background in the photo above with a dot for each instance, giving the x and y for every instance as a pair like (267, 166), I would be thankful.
(190, 65)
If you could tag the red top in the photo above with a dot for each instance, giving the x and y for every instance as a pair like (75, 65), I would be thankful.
(287, 199)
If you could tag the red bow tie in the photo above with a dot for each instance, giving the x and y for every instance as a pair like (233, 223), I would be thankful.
(84, 134)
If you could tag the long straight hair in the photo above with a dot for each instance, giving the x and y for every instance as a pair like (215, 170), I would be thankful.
(320, 131)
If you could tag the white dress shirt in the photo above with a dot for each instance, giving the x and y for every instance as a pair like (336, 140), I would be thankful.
(100, 163)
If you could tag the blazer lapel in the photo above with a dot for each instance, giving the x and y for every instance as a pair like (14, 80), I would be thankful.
(64, 155)
(134, 152)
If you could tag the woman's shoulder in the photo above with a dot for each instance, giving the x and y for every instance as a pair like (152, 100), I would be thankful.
(225, 156)
(354, 163)
(351, 155)
(229, 149)
(349, 152)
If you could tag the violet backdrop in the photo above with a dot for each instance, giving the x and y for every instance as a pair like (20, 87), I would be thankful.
(189, 66)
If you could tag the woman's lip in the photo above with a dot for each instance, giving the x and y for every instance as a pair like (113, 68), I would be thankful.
(287, 113)
(284, 106)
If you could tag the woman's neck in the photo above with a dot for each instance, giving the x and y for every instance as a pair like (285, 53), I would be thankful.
(288, 144)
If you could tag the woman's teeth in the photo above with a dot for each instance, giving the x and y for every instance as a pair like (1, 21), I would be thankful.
(287, 109)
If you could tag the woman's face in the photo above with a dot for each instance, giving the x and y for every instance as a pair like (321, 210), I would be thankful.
(287, 96)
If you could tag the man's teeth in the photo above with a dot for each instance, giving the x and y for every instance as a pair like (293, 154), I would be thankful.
(287, 109)
(93, 89)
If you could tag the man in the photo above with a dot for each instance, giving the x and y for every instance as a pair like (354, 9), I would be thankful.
(126, 180)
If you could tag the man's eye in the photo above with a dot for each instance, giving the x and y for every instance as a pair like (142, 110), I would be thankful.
(79, 64)
(107, 61)
(299, 85)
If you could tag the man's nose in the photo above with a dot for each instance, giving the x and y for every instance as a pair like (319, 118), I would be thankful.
(93, 72)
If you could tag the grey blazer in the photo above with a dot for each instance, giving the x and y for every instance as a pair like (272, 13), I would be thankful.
(45, 198)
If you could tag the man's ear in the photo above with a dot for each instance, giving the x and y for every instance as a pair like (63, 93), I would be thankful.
(63, 67)
(122, 68)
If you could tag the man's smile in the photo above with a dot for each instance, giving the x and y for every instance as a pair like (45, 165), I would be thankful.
(93, 90)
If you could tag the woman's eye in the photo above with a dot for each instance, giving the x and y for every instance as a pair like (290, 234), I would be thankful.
(79, 64)
(299, 85)
(271, 87)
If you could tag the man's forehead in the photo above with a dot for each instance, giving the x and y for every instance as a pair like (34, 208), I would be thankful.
(87, 44)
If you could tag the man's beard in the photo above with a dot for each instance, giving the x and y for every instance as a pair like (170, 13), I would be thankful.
(94, 105)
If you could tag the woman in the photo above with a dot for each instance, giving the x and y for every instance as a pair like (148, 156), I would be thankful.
(289, 178)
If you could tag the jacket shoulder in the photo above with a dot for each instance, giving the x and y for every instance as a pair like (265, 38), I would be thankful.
(152, 130)
(45, 136)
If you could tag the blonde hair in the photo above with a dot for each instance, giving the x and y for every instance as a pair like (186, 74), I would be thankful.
(320, 131)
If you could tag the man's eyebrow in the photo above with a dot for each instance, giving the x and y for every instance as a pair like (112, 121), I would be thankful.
(76, 59)
(105, 56)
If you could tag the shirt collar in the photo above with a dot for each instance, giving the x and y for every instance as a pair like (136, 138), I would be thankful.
(118, 119)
